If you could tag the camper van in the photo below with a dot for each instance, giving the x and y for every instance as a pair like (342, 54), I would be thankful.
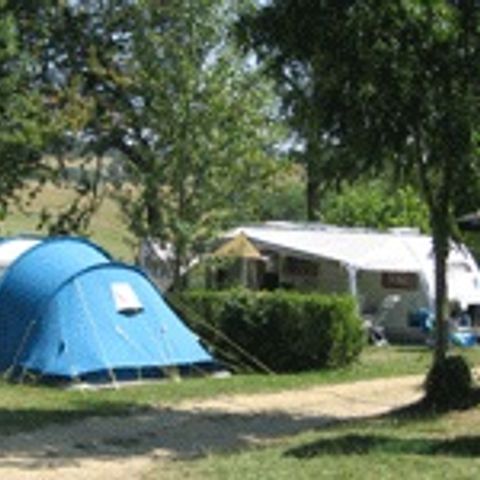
(391, 274)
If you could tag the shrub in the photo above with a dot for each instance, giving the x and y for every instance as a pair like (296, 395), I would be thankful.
(449, 384)
(287, 331)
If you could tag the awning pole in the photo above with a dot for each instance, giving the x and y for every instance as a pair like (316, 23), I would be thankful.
(352, 280)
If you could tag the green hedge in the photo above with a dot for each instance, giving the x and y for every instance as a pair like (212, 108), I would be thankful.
(286, 331)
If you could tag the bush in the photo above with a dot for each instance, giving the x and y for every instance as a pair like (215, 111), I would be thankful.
(286, 331)
(449, 384)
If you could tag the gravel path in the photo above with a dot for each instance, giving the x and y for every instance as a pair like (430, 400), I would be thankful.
(126, 447)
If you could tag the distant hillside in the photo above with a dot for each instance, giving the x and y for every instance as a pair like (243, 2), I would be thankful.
(107, 227)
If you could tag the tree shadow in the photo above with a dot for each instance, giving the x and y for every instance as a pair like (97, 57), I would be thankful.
(357, 444)
(15, 421)
(365, 444)
(109, 431)
(168, 432)
(423, 409)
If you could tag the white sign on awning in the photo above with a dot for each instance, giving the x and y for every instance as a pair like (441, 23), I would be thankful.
(125, 298)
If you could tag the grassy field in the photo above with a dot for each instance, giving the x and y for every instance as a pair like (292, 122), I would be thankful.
(396, 447)
(107, 227)
(402, 445)
(26, 407)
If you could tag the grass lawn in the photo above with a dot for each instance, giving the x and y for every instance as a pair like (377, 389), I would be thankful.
(444, 447)
(396, 447)
(399, 446)
(25, 407)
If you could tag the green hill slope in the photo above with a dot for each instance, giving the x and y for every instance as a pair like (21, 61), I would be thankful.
(107, 228)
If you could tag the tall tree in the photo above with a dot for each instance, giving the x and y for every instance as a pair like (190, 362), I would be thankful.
(199, 133)
(21, 129)
(76, 55)
(395, 82)
(288, 57)
(161, 83)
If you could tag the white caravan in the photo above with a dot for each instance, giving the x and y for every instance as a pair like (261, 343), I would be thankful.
(390, 273)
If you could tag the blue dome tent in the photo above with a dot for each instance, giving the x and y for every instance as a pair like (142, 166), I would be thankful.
(67, 311)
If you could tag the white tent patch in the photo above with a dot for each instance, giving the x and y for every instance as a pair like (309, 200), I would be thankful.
(125, 298)
(12, 248)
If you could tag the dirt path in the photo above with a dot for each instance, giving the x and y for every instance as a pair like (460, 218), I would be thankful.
(120, 448)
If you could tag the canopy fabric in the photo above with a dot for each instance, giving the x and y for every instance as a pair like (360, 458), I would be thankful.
(238, 246)
(363, 250)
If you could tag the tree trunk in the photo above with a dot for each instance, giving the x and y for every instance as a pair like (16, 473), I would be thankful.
(312, 197)
(314, 180)
(179, 280)
(441, 240)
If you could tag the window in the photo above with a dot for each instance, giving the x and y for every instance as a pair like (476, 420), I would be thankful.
(459, 267)
(125, 298)
(300, 267)
(400, 281)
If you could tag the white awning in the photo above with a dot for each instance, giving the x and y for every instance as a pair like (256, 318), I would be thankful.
(359, 249)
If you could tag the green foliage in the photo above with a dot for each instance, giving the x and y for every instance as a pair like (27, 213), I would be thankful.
(284, 196)
(393, 83)
(286, 331)
(160, 85)
(370, 75)
(373, 204)
(449, 384)
(205, 150)
(58, 42)
(21, 129)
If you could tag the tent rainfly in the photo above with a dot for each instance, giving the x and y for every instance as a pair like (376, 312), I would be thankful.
(67, 311)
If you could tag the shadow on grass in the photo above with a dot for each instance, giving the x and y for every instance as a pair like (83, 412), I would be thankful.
(423, 410)
(357, 444)
(365, 444)
(85, 432)
(172, 432)
(14, 421)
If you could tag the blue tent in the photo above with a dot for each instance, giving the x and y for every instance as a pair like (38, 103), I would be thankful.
(68, 311)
